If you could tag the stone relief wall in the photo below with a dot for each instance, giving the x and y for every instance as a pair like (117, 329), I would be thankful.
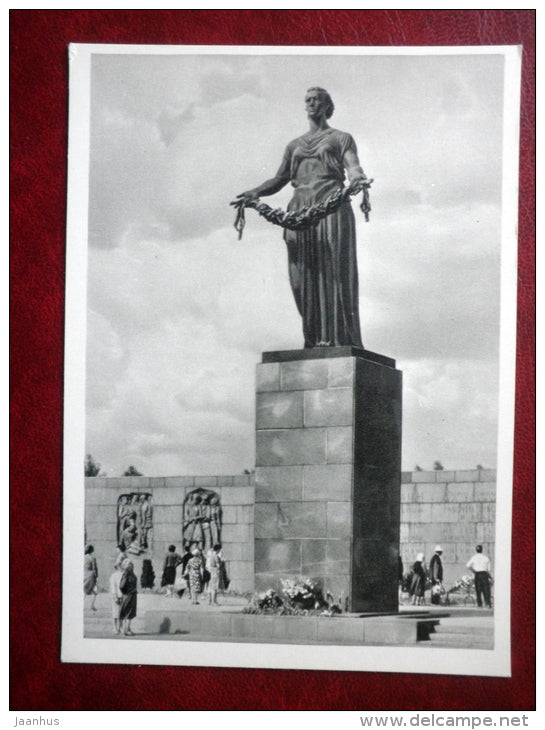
(453, 508)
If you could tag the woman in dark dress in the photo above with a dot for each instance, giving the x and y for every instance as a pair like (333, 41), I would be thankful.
(172, 560)
(418, 583)
(321, 257)
(128, 587)
(90, 575)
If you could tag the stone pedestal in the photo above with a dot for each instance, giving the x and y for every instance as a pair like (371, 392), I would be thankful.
(328, 473)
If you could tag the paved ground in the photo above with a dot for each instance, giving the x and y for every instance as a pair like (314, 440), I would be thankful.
(459, 627)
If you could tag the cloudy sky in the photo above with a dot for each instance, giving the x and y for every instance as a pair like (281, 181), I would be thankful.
(179, 310)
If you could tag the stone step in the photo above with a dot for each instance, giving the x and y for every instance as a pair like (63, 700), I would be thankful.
(448, 628)
(459, 641)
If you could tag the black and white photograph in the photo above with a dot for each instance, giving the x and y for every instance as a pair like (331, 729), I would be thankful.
(290, 357)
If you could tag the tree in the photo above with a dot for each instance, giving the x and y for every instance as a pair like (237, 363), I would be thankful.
(480, 467)
(417, 468)
(132, 472)
(90, 466)
(437, 466)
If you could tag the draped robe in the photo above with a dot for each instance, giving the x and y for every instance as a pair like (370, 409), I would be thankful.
(322, 259)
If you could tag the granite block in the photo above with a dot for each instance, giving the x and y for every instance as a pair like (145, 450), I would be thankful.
(264, 628)
(487, 475)
(485, 532)
(266, 520)
(229, 514)
(157, 482)
(264, 581)
(467, 475)
(267, 377)
(225, 481)
(139, 483)
(464, 551)
(171, 482)
(237, 495)
(277, 556)
(241, 570)
(243, 586)
(168, 496)
(459, 492)
(408, 493)
(237, 551)
(206, 482)
(278, 483)
(371, 557)
(101, 496)
(342, 630)
(330, 482)
(243, 480)
(101, 531)
(404, 532)
(471, 512)
(442, 475)
(418, 512)
(429, 492)
(369, 516)
(332, 407)
(397, 632)
(291, 447)
(444, 512)
(340, 445)
(424, 477)
(337, 556)
(338, 515)
(245, 514)
(485, 491)
(341, 372)
(488, 511)
(237, 533)
(91, 483)
(296, 628)
(279, 410)
(313, 557)
(298, 520)
(406, 477)
(163, 514)
(375, 593)
(101, 513)
(304, 375)
(167, 532)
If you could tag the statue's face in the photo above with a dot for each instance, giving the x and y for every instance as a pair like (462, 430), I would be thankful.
(315, 104)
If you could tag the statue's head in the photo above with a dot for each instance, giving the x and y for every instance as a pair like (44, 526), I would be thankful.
(326, 98)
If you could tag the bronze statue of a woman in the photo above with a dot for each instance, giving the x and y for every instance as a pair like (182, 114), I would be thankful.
(321, 244)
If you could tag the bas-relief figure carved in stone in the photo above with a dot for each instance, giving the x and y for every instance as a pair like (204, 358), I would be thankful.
(202, 519)
(321, 257)
(134, 522)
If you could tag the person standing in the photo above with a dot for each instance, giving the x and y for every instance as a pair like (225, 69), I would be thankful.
(194, 572)
(479, 564)
(172, 560)
(116, 595)
(90, 576)
(213, 565)
(128, 587)
(418, 582)
(436, 575)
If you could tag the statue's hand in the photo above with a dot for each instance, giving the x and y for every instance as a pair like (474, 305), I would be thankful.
(243, 198)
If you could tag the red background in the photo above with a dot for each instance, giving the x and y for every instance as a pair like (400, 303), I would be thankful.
(39, 99)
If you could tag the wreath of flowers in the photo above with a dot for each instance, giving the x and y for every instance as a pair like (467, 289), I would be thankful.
(308, 216)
